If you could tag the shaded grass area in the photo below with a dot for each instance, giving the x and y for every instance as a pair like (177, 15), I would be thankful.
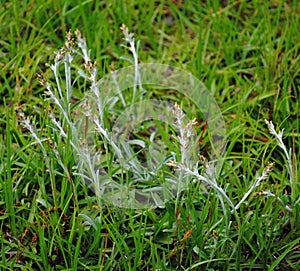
(247, 54)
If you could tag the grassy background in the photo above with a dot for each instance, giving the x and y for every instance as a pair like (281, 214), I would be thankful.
(246, 53)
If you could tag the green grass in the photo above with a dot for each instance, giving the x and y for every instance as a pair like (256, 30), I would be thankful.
(247, 55)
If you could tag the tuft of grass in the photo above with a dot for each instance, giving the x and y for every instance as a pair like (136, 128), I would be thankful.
(246, 53)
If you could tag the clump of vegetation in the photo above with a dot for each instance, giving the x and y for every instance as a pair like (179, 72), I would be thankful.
(64, 165)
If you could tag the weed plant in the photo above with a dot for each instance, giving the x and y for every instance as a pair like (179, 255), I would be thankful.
(54, 214)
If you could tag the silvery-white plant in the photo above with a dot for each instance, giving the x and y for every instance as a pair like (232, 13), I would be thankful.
(61, 98)
(291, 169)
